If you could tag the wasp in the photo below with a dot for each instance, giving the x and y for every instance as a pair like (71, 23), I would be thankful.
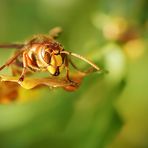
(43, 53)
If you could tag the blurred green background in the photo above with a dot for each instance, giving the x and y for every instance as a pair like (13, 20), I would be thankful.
(108, 110)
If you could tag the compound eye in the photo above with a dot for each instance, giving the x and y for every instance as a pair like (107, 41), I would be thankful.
(56, 60)
(47, 57)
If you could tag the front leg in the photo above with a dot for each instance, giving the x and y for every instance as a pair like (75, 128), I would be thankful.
(67, 72)
(11, 60)
(21, 79)
(18, 46)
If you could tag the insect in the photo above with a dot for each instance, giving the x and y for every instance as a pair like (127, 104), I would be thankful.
(43, 53)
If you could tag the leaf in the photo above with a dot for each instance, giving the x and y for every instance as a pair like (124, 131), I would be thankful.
(8, 92)
(53, 82)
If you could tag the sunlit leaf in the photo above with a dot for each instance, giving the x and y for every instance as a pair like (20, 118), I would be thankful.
(52, 82)
(8, 92)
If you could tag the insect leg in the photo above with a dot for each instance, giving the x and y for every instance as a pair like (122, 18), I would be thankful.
(55, 32)
(67, 71)
(10, 61)
(67, 68)
(18, 46)
(24, 67)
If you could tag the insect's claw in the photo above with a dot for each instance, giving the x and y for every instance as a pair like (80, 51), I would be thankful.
(73, 83)
(21, 79)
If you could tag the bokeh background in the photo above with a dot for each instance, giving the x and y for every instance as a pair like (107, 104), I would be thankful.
(108, 110)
